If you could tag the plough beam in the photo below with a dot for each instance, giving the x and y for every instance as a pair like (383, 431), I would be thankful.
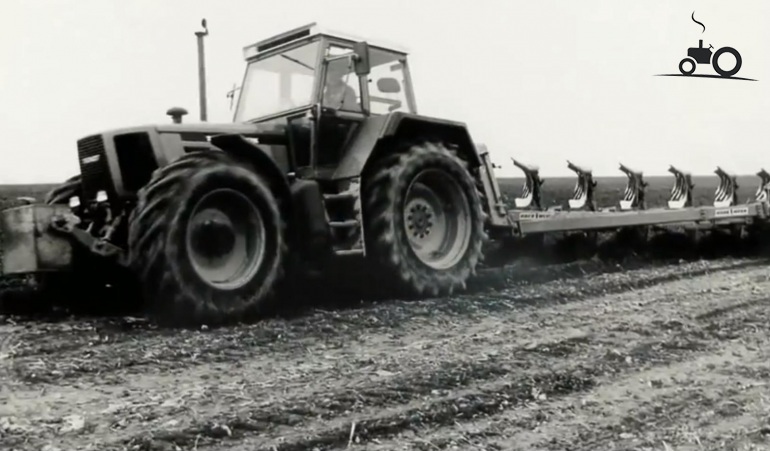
(550, 222)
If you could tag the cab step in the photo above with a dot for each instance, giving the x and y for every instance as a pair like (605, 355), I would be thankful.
(339, 197)
(344, 224)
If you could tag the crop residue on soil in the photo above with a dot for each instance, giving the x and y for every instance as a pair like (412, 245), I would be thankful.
(578, 356)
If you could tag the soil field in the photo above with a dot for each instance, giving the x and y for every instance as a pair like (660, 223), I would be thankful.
(580, 356)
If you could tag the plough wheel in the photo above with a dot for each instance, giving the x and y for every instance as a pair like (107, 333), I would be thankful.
(206, 241)
(424, 218)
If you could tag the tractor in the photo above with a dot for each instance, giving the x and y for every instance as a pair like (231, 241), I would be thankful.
(326, 159)
(702, 55)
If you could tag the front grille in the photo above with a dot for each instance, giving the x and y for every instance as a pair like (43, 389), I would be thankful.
(94, 170)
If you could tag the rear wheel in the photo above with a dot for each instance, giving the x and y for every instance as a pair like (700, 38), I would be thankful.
(206, 241)
(425, 222)
(734, 53)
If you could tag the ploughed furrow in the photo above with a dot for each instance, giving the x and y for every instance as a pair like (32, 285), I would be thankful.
(425, 373)
(703, 387)
(111, 350)
(578, 377)
(692, 388)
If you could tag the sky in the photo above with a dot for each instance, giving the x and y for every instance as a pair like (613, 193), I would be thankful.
(540, 81)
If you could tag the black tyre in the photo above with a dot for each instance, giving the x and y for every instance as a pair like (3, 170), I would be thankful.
(62, 193)
(206, 241)
(722, 51)
(683, 68)
(424, 219)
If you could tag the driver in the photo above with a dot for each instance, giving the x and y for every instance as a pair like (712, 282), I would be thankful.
(337, 93)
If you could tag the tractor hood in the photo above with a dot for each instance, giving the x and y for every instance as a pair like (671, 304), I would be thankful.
(200, 131)
(119, 161)
(214, 128)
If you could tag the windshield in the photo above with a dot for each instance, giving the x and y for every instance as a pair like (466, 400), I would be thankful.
(278, 83)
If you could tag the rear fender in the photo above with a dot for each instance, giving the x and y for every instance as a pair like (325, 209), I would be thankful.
(377, 133)
(402, 126)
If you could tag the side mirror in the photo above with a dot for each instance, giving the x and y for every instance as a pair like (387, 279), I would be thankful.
(361, 49)
(388, 85)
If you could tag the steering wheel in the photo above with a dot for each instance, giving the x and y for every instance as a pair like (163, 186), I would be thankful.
(711, 46)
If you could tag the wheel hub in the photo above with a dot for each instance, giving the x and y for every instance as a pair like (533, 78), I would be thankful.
(214, 237)
(226, 239)
(437, 219)
(420, 219)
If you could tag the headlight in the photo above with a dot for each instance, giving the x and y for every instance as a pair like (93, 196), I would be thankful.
(74, 202)
(101, 196)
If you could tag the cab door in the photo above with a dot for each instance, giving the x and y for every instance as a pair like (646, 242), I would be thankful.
(342, 109)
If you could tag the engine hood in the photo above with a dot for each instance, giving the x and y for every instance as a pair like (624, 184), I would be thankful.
(199, 129)
(215, 129)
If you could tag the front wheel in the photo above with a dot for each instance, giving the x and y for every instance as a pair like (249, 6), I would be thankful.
(687, 66)
(206, 241)
(731, 51)
(424, 218)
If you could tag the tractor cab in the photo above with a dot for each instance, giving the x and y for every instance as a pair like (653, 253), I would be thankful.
(321, 86)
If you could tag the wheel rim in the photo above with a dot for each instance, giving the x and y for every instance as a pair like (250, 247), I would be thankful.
(225, 239)
(437, 219)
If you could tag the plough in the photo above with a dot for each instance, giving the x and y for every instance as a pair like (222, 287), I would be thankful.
(528, 215)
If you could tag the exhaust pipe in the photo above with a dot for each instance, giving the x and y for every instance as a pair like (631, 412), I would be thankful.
(202, 70)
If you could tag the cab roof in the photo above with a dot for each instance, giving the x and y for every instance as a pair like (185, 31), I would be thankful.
(312, 30)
